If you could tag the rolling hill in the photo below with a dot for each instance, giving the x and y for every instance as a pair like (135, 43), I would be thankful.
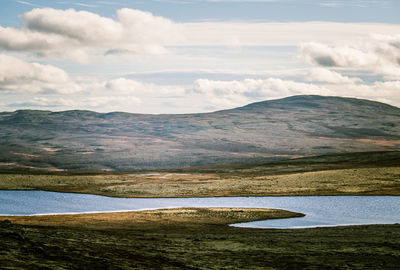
(269, 130)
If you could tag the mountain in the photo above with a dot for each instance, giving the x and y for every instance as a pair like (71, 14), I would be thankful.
(268, 130)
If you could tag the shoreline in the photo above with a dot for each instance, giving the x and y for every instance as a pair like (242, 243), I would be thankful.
(379, 194)
(128, 196)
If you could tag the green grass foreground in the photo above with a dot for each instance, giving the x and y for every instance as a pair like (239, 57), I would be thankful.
(190, 238)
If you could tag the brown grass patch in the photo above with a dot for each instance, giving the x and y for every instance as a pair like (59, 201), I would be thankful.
(151, 219)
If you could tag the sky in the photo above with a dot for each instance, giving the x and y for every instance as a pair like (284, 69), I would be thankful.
(189, 56)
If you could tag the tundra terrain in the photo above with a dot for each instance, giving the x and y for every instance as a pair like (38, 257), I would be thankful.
(272, 130)
(190, 239)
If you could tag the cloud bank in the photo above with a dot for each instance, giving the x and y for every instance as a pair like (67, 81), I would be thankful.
(77, 35)
(241, 92)
(380, 54)
(43, 81)
(103, 102)
(23, 77)
(278, 33)
(19, 77)
(73, 34)
(334, 61)
(328, 76)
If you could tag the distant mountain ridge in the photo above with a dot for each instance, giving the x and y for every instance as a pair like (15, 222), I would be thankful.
(268, 130)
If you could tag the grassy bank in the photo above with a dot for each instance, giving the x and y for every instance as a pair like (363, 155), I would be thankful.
(348, 174)
(155, 219)
(190, 239)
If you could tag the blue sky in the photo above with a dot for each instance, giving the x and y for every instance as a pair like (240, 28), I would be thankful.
(385, 11)
(180, 56)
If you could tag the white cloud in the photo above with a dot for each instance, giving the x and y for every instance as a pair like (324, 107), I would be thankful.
(331, 4)
(53, 32)
(19, 76)
(81, 26)
(278, 33)
(338, 56)
(227, 94)
(25, 3)
(329, 76)
(388, 92)
(102, 103)
(75, 34)
(238, 93)
(123, 85)
(380, 53)
(355, 3)
(85, 5)
(254, 87)
(12, 69)
(124, 94)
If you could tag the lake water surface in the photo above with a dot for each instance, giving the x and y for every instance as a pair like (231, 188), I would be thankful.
(320, 210)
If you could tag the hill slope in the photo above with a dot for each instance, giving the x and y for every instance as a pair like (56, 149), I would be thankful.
(276, 129)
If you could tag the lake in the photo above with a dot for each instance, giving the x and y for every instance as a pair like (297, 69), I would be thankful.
(320, 210)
